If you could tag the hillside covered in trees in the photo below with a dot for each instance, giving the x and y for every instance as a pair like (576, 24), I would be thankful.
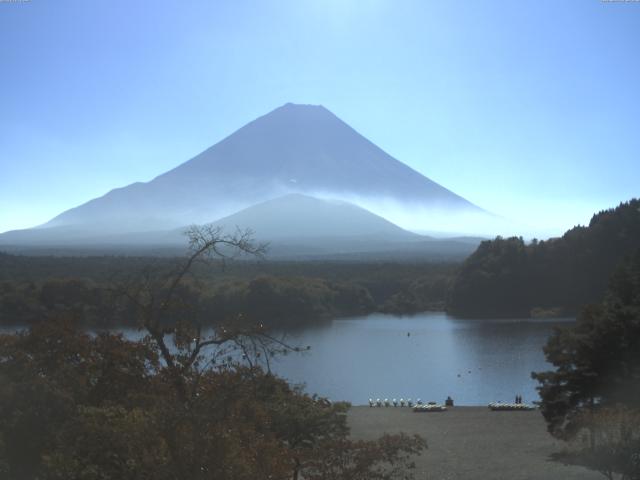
(507, 277)
(278, 294)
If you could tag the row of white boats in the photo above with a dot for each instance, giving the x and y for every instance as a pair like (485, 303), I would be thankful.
(419, 406)
(499, 406)
(395, 403)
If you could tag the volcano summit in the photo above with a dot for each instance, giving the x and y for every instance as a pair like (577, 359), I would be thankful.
(295, 149)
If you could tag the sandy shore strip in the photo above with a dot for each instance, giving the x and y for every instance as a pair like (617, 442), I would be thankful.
(473, 443)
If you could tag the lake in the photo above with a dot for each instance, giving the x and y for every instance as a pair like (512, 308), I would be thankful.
(427, 356)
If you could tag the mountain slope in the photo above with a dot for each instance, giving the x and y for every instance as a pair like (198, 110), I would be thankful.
(293, 149)
(301, 217)
(296, 226)
(291, 218)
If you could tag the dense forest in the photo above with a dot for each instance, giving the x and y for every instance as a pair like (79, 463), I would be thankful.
(507, 277)
(185, 402)
(33, 288)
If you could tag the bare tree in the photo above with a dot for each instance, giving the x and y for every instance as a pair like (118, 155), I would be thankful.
(189, 349)
(171, 324)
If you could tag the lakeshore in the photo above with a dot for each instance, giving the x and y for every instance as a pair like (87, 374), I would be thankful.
(473, 442)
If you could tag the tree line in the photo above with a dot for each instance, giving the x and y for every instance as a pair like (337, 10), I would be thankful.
(283, 294)
(508, 277)
(185, 402)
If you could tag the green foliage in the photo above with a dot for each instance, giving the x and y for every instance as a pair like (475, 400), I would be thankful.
(76, 406)
(424, 293)
(594, 392)
(505, 277)
(49, 373)
(107, 443)
(598, 360)
(97, 407)
(279, 293)
(287, 301)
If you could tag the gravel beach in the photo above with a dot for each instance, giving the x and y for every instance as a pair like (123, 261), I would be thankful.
(473, 443)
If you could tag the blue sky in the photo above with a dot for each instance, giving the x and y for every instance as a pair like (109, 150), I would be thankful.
(528, 109)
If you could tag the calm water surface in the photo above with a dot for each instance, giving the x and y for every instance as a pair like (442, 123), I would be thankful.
(426, 356)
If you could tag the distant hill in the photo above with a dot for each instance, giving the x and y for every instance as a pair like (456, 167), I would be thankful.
(297, 216)
(293, 149)
(303, 227)
(290, 218)
(295, 226)
(506, 277)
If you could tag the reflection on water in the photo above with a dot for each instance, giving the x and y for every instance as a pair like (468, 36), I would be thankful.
(427, 356)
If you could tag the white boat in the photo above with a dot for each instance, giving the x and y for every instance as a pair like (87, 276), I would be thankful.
(429, 407)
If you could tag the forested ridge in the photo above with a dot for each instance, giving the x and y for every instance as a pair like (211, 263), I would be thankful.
(503, 277)
(275, 293)
(507, 277)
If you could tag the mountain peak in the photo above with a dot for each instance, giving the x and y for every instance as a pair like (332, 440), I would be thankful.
(296, 148)
(299, 111)
(301, 106)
